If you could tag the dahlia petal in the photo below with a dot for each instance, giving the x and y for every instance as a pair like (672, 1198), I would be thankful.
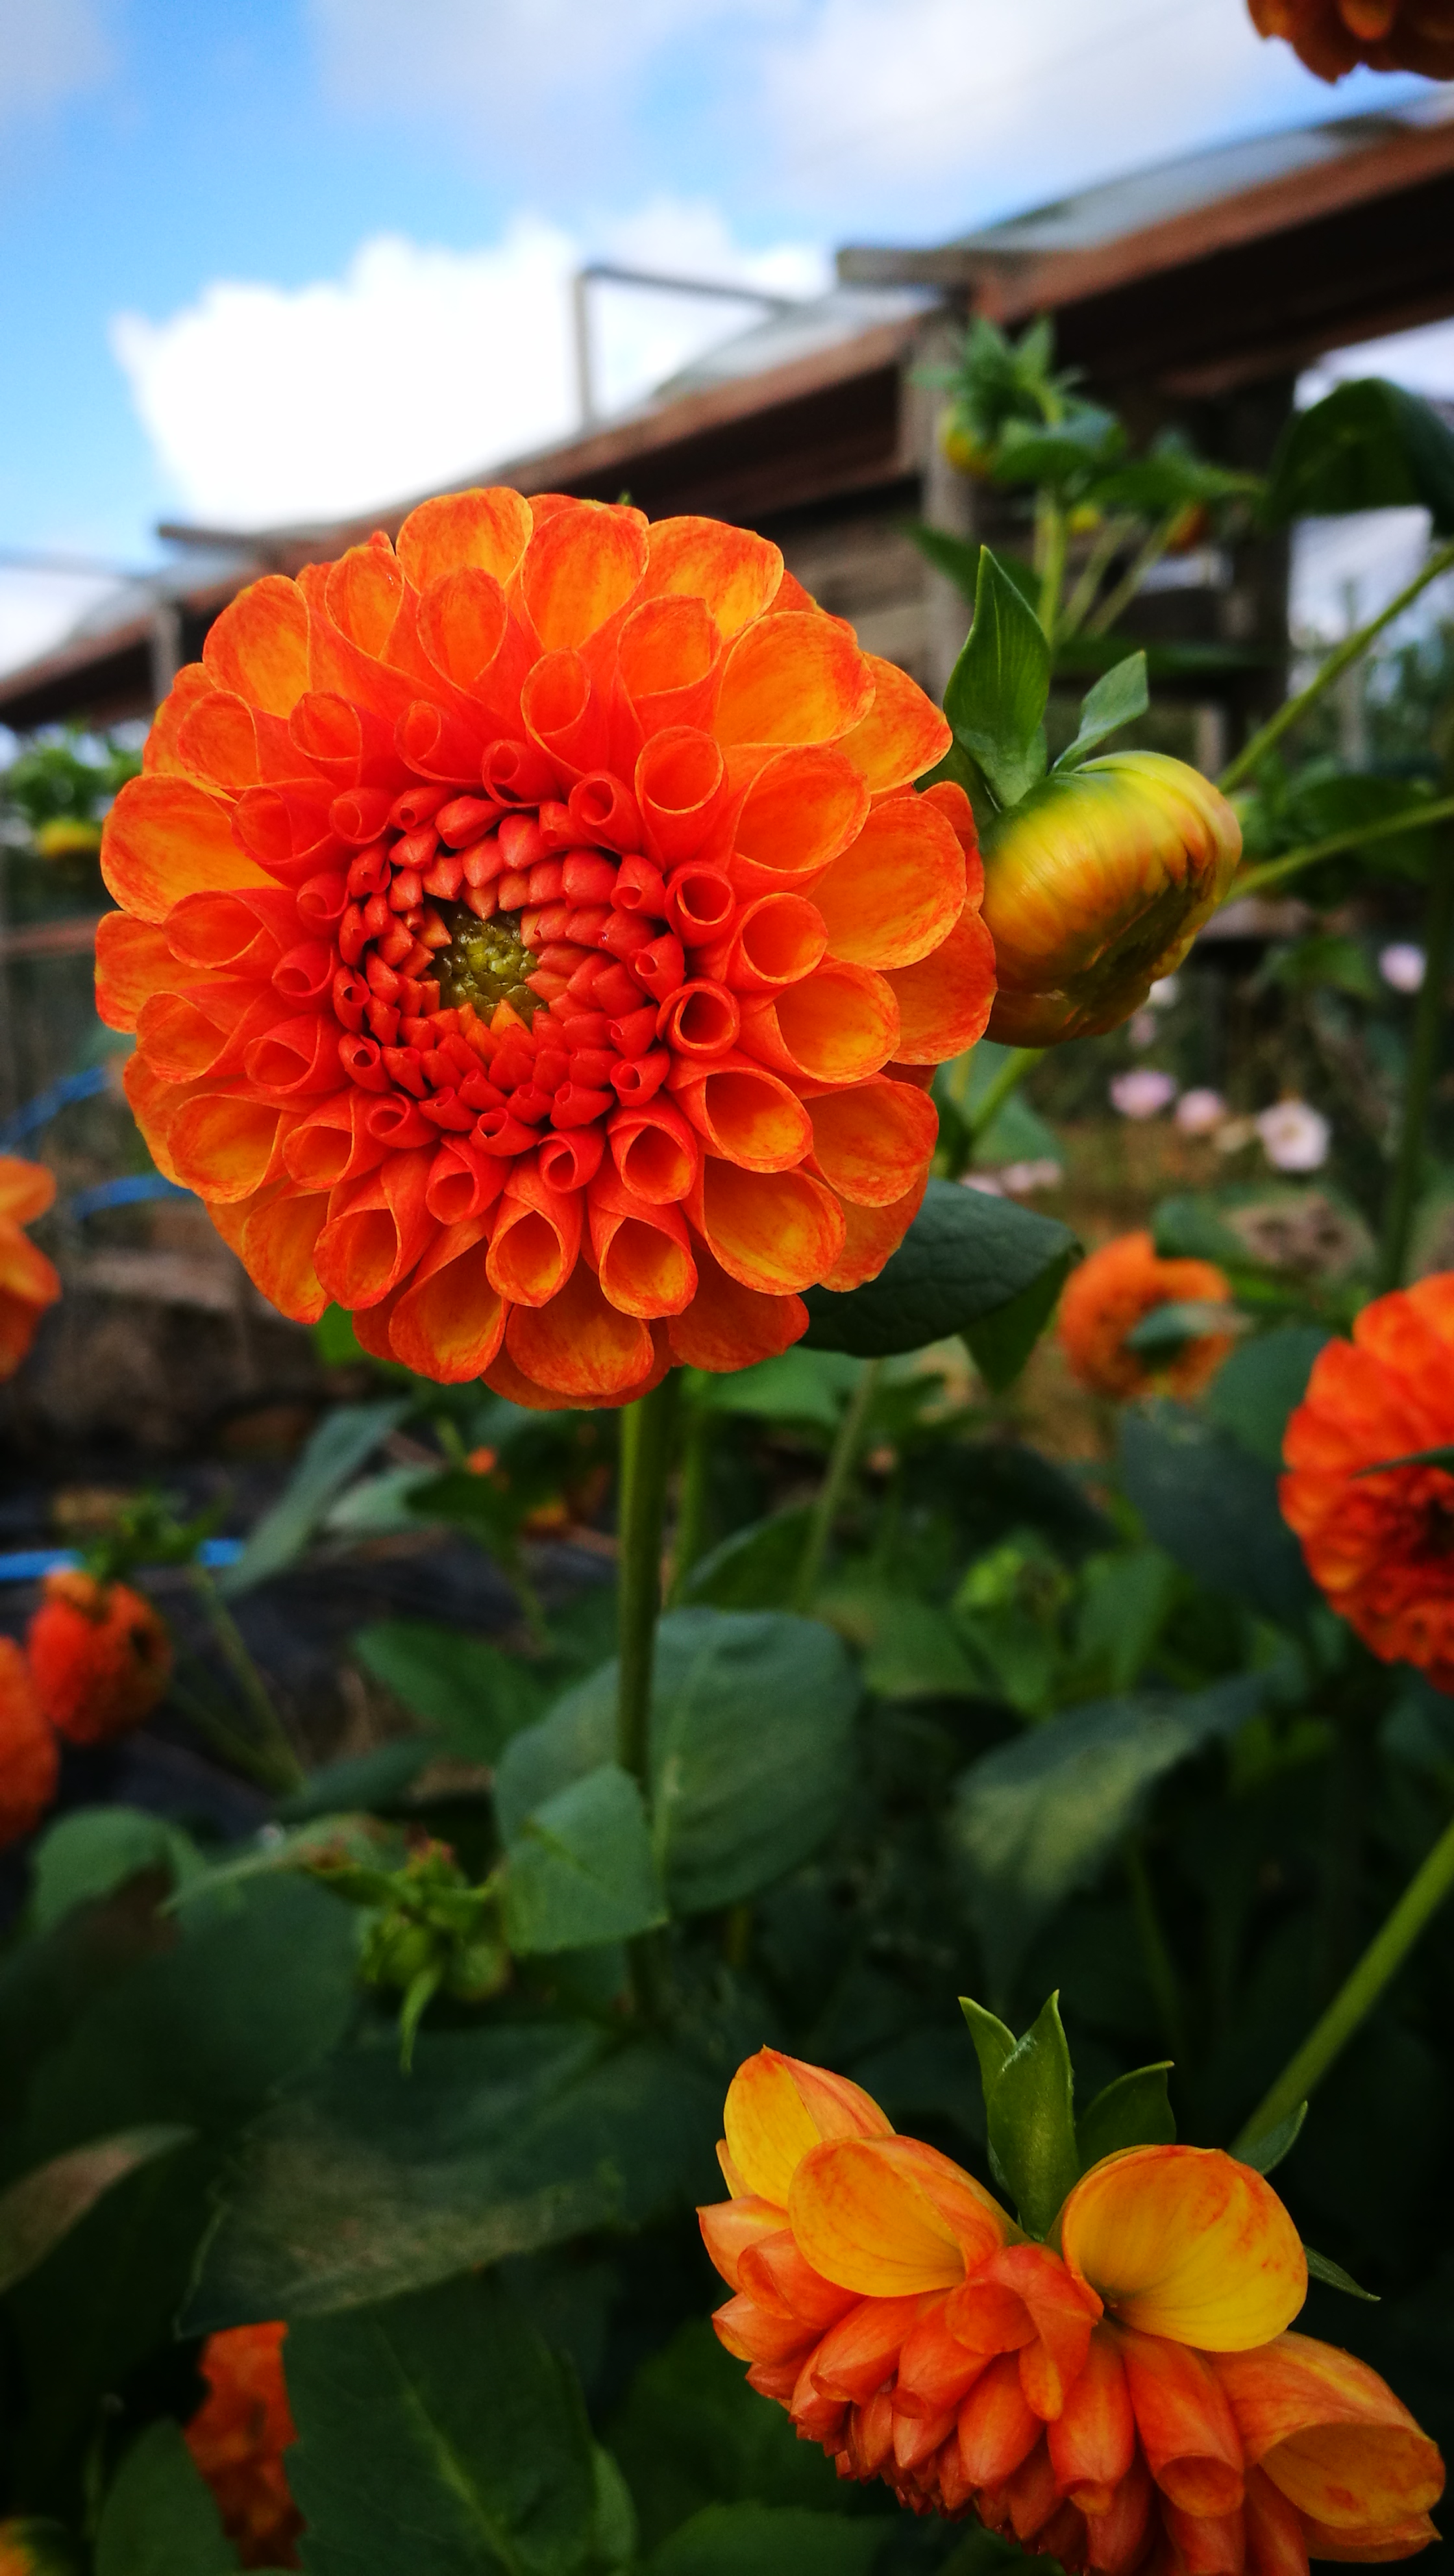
(1115, 2539)
(903, 733)
(791, 680)
(775, 941)
(1031, 2496)
(946, 999)
(735, 573)
(1211, 2544)
(1093, 2438)
(872, 1234)
(484, 530)
(654, 1151)
(378, 1228)
(727, 1326)
(1276, 2543)
(565, 715)
(536, 1237)
(295, 1059)
(1330, 2434)
(859, 2353)
(776, 1232)
(217, 743)
(449, 1321)
(234, 934)
(890, 2216)
(1403, 2540)
(774, 2272)
(729, 2227)
(1187, 2428)
(868, 1140)
(184, 1036)
(155, 1105)
(778, 2108)
(580, 568)
(917, 2437)
(258, 646)
(363, 593)
(25, 1273)
(26, 1189)
(997, 2430)
(160, 757)
(682, 794)
(756, 2334)
(801, 811)
(897, 892)
(936, 2371)
(164, 838)
(461, 626)
(642, 1252)
(746, 1114)
(463, 1182)
(580, 1345)
(277, 1251)
(224, 1144)
(668, 655)
(1187, 2243)
(332, 1143)
(839, 1025)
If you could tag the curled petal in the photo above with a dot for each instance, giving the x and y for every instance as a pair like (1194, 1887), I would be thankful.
(277, 1247)
(1330, 2434)
(134, 960)
(944, 1002)
(776, 1232)
(1187, 2243)
(581, 1346)
(583, 565)
(859, 2353)
(802, 809)
(258, 646)
(729, 2227)
(872, 1234)
(1093, 2439)
(165, 838)
(997, 2428)
(728, 1326)
(736, 573)
(873, 1140)
(791, 679)
(903, 733)
(1187, 2428)
(779, 2107)
(896, 894)
(484, 531)
(450, 1321)
(889, 2216)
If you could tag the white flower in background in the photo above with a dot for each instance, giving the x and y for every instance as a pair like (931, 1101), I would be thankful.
(1143, 1093)
(1141, 1028)
(1164, 993)
(1402, 966)
(1018, 1180)
(988, 1184)
(1199, 1112)
(1295, 1138)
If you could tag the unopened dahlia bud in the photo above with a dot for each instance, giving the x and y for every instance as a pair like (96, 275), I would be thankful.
(100, 1657)
(1096, 885)
(29, 1758)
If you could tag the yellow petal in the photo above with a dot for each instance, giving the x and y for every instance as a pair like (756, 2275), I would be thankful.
(777, 2108)
(890, 2216)
(1187, 2243)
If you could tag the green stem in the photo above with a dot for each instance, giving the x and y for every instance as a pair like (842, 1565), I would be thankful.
(691, 1529)
(646, 1442)
(1082, 598)
(234, 1748)
(1019, 1062)
(1338, 661)
(828, 1500)
(284, 1762)
(1272, 871)
(1358, 1994)
(1408, 1172)
(1052, 564)
(1141, 563)
(1156, 1956)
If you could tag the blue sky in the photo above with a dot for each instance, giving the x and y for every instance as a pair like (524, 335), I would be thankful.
(261, 260)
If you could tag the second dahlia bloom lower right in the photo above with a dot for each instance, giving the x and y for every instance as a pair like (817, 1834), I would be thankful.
(1114, 1290)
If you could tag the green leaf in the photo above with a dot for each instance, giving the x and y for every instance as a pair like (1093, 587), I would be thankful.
(1185, 1319)
(1000, 1343)
(337, 1449)
(1413, 1458)
(1215, 1509)
(1059, 458)
(1189, 1228)
(1369, 445)
(965, 1258)
(692, 2433)
(1333, 2274)
(1030, 2116)
(580, 1868)
(95, 1849)
(801, 1385)
(1038, 1818)
(476, 1696)
(1117, 699)
(1133, 2112)
(769, 2540)
(37, 2211)
(993, 2042)
(756, 1568)
(751, 1735)
(997, 691)
(439, 2435)
(911, 1649)
(159, 2518)
(360, 1781)
(1261, 1384)
(1267, 2152)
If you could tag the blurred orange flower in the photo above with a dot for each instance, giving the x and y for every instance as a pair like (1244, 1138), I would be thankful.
(237, 2438)
(28, 1282)
(1331, 36)
(1112, 1292)
(100, 1657)
(1382, 1547)
(1125, 2395)
(535, 944)
(29, 1755)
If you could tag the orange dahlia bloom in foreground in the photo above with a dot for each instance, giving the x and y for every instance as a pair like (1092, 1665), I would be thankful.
(1123, 2396)
(29, 1755)
(99, 1655)
(1113, 1291)
(535, 944)
(28, 1282)
(1382, 1547)
(237, 2438)
(1331, 36)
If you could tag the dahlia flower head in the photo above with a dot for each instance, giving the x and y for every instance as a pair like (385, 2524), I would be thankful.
(1115, 1289)
(99, 1655)
(28, 1282)
(237, 2439)
(29, 1755)
(1333, 36)
(535, 944)
(1124, 2395)
(1381, 1546)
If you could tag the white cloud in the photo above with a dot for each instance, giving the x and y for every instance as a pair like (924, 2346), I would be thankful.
(418, 366)
(1423, 360)
(39, 609)
(48, 50)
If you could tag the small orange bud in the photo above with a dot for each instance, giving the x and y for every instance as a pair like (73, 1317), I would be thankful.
(237, 2438)
(1096, 885)
(100, 1657)
(29, 2547)
(29, 1759)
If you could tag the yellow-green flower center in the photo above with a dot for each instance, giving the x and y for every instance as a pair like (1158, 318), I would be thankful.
(485, 963)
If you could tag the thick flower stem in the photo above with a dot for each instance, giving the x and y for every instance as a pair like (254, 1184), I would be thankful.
(1272, 871)
(828, 1500)
(1359, 1992)
(1408, 1172)
(646, 1444)
(1337, 662)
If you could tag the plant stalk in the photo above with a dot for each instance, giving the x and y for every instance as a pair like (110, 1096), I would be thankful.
(282, 1760)
(691, 1529)
(1019, 1062)
(1293, 709)
(1082, 598)
(1156, 1956)
(1358, 1994)
(1052, 533)
(1272, 871)
(646, 1445)
(1147, 557)
(828, 1500)
(1408, 1171)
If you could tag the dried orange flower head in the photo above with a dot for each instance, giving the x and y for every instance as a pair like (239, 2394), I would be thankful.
(1124, 2396)
(1332, 36)
(1113, 1291)
(28, 1282)
(100, 1657)
(29, 1755)
(535, 945)
(237, 2438)
(1382, 1546)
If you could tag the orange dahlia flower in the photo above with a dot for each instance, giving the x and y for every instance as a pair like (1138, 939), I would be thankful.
(1123, 2396)
(1331, 36)
(28, 1282)
(100, 1657)
(1113, 1291)
(237, 2438)
(535, 945)
(29, 1756)
(1382, 1547)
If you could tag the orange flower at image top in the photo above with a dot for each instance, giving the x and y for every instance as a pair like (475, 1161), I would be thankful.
(1332, 36)
(28, 1282)
(535, 944)
(1113, 1291)
(237, 2438)
(29, 1755)
(1123, 2396)
(1382, 1546)
(99, 1656)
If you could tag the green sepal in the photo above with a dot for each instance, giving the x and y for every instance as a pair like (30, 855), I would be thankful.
(1118, 698)
(993, 2043)
(1030, 2116)
(999, 686)
(1268, 2151)
(1335, 2278)
(1134, 2111)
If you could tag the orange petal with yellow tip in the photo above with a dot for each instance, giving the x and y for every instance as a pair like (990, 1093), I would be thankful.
(259, 645)
(277, 1249)
(775, 2273)
(869, 1140)
(1188, 2432)
(860, 2352)
(486, 530)
(536, 1237)
(891, 2217)
(946, 999)
(1187, 2243)
(449, 1322)
(583, 565)
(1370, 2547)
(1093, 2439)
(746, 1114)
(362, 595)
(378, 1227)
(792, 679)
(133, 961)
(164, 838)
(155, 1105)
(26, 1189)
(871, 1235)
(903, 733)
(840, 1024)
(779, 2107)
(736, 573)
(776, 1232)
(160, 757)
(579, 1345)
(730, 2226)
(1330, 2434)
(898, 891)
(760, 2334)
(642, 1251)
(728, 1326)
(801, 811)
(224, 1144)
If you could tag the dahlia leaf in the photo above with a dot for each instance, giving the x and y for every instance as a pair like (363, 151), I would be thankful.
(1134, 2111)
(1214, 1508)
(1335, 2278)
(1031, 2121)
(994, 2042)
(1369, 445)
(43, 2206)
(1001, 1342)
(999, 686)
(159, 2518)
(965, 1258)
(580, 1870)
(1116, 700)
(1443, 1458)
(747, 2539)
(1266, 2153)
(343, 1440)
